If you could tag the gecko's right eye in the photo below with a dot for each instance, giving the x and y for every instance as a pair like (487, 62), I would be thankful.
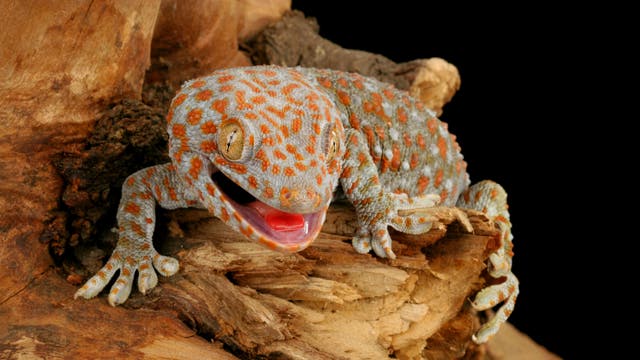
(231, 140)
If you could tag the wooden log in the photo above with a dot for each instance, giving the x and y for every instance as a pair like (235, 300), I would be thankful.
(294, 41)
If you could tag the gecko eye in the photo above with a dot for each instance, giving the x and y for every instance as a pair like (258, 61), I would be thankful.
(333, 145)
(231, 140)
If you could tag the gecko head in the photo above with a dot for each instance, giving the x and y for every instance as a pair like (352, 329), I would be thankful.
(275, 154)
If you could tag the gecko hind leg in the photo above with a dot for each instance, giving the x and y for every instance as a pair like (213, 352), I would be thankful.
(491, 199)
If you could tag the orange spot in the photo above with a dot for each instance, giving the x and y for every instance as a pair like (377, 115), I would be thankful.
(354, 121)
(388, 94)
(224, 215)
(144, 266)
(237, 217)
(292, 149)
(319, 180)
(211, 190)
(131, 181)
(132, 208)
(125, 272)
(268, 192)
(170, 116)
(395, 160)
(279, 154)
(346, 172)
(367, 106)
(285, 131)
(196, 166)
(381, 232)
(109, 266)
(220, 105)
(344, 98)
(380, 132)
(208, 146)
(252, 181)
(172, 194)
(178, 130)
(289, 88)
(268, 141)
(250, 116)
(204, 95)
(258, 100)
(179, 100)
(158, 192)
(343, 82)
(289, 171)
(439, 175)
(296, 125)
(358, 84)
(432, 125)
(246, 231)
(242, 103)
(198, 84)
(194, 116)
(402, 115)
(444, 194)
(442, 146)
(148, 220)
(226, 88)
(208, 128)
(272, 93)
(407, 140)
(253, 88)
(478, 196)
(225, 78)
(324, 82)
(423, 182)
(281, 113)
(353, 186)
(466, 196)
(275, 169)
(420, 141)
(494, 193)
(269, 73)
(137, 229)
(300, 166)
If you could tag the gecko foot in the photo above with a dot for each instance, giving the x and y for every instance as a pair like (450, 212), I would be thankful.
(489, 297)
(128, 265)
(377, 239)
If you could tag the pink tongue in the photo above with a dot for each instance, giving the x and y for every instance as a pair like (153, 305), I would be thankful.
(276, 219)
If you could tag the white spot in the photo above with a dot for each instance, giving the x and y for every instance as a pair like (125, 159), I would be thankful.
(434, 149)
(377, 150)
(388, 154)
(426, 170)
(448, 184)
(393, 133)
(405, 165)
(386, 106)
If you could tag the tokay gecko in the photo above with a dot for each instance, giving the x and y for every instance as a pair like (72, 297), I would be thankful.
(264, 148)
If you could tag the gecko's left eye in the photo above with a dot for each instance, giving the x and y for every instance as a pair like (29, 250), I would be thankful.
(231, 140)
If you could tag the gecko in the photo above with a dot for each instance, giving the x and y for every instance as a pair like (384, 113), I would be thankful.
(264, 149)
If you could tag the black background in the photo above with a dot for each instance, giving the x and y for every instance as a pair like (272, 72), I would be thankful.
(515, 123)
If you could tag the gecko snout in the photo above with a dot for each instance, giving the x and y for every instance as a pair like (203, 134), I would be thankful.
(300, 200)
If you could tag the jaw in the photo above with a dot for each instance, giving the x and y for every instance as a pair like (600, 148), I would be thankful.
(270, 226)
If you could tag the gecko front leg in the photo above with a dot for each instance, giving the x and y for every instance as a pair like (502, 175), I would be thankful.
(136, 221)
(376, 209)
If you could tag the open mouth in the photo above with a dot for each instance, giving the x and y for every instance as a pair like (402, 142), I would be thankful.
(288, 231)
